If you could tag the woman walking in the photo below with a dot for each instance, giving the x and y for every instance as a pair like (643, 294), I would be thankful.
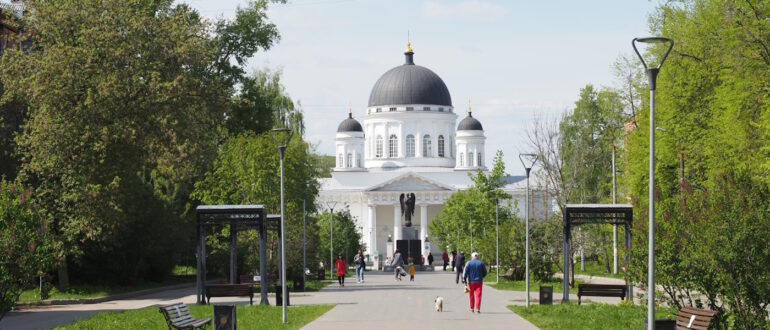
(341, 269)
(360, 266)
(397, 264)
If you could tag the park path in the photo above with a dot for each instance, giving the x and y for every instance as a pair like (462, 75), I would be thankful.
(383, 303)
(379, 303)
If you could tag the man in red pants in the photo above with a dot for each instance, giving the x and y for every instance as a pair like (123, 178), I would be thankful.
(475, 271)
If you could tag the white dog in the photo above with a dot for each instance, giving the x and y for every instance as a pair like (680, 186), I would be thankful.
(439, 304)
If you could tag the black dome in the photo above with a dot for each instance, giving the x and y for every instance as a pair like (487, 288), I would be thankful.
(470, 124)
(350, 125)
(410, 84)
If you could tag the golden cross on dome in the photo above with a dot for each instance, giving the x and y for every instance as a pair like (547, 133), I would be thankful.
(408, 43)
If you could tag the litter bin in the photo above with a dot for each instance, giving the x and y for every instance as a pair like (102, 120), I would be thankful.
(546, 295)
(662, 324)
(279, 296)
(299, 284)
(321, 274)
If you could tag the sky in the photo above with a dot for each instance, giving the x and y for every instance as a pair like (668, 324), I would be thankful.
(514, 60)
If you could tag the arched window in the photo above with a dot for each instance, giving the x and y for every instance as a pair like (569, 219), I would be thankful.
(339, 161)
(427, 151)
(462, 160)
(393, 146)
(350, 160)
(478, 163)
(410, 145)
(441, 146)
(378, 147)
(470, 159)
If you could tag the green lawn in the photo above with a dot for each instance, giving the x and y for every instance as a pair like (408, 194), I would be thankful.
(588, 316)
(534, 285)
(249, 317)
(83, 291)
(594, 268)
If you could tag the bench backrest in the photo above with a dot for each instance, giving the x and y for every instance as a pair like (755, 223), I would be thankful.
(601, 289)
(694, 318)
(509, 273)
(176, 314)
(230, 289)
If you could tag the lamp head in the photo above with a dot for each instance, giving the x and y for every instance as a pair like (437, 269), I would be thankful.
(528, 160)
(652, 70)
(282, 133)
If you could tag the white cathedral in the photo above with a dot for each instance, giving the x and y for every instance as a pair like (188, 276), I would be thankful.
(409, 143)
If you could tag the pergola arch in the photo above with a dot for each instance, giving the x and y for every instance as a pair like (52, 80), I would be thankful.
(581, 214)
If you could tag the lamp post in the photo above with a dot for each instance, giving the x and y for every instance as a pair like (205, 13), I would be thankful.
(331, 205)
(282, 136)
(528, 160)
(652, 75)
(497, 243)
(304, 236)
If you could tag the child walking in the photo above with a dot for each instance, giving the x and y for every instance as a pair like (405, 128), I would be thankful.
(411, 271)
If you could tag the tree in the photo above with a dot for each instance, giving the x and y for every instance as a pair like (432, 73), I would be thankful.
(347, 237)
(125, 113)
(24, 240)
(246, 171)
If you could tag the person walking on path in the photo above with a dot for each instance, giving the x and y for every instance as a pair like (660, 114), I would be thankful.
(459, 265)
(430, 259)
(475, 271)
(397, 264)
(454, 259)
(360, 266)
(445, 258)
(341, 269)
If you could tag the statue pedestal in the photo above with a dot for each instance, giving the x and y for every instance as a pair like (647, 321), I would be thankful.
(410, 233)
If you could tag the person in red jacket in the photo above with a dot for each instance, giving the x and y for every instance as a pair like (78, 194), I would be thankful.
(341, 269)
(445, 258)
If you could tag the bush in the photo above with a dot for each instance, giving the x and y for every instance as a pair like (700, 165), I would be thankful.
(25, 250)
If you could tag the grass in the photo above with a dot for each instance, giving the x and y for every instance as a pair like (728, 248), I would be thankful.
(589, 316)
(180, 275)
(248, 317)
(534, 285)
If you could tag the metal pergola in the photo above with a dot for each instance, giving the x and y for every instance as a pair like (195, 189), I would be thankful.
(238, 217)
(581, 214)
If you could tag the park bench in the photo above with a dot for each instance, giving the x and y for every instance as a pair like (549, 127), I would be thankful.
(694, 318)
(230, 290)
(601, 290)
(509, 274)
(178, 317)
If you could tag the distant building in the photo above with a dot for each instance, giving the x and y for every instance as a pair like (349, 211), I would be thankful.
(409, 142)
(11, 28)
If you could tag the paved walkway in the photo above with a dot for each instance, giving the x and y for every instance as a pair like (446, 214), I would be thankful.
(383, 303)
(380, 303)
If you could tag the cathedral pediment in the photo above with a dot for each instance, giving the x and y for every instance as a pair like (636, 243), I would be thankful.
(410, 182)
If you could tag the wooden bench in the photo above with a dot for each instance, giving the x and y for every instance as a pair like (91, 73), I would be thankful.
(601, 290)
(509, 274)
(230, 290)
(694, 318)
(178, 317)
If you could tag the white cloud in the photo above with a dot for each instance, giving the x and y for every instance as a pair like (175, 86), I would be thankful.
(466, 10)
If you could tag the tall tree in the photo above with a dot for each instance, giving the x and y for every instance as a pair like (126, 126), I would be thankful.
(125, 113)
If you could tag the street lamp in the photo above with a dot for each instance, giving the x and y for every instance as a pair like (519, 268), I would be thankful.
(652, 75)
(497, 242)
(304, 237)
(331, 205)
(282, 136)
(528, 160)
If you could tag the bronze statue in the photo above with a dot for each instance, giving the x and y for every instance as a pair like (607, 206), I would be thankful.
(407, 207)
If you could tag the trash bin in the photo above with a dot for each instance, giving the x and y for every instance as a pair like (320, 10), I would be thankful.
(299, 284)
(279, 296)
(663, 324)
(321, 274)
(546, 295)
(224, 317)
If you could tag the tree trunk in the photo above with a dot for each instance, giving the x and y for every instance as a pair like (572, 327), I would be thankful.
(64, 278)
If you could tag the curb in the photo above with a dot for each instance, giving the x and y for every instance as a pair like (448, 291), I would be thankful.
(33, 305)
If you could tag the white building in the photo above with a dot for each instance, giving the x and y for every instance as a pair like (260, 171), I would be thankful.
(408, 143)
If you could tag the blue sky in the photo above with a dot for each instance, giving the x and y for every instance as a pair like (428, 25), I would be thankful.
(513, 59)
